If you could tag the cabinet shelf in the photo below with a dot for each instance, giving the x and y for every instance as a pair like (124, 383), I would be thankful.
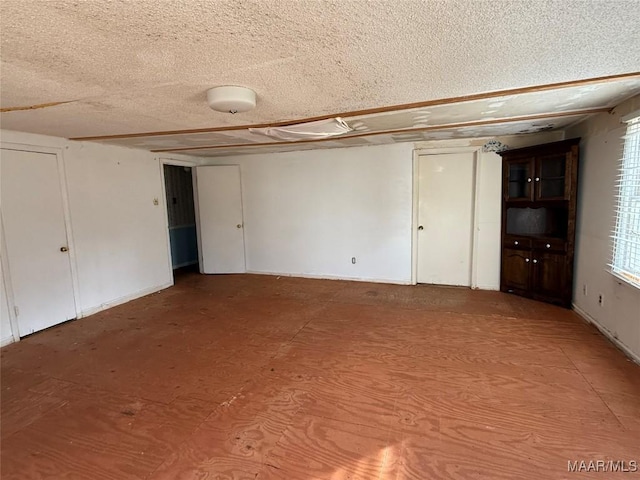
(537, 220)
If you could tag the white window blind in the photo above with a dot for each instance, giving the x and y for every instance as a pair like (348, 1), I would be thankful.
(626, 236)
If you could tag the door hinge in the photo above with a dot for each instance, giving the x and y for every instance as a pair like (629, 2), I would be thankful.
(16, 310)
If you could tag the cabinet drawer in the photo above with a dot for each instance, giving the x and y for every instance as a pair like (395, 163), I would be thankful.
(550, 245)
(517, 242)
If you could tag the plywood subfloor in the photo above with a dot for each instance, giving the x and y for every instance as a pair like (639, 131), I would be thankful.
(257, 377)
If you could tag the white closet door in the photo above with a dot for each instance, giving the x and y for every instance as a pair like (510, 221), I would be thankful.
(36, 240)
(221, 225)
(445, 218)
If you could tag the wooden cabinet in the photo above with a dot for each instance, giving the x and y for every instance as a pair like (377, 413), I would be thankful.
(518, 274)
(539, 194)
(543, 177)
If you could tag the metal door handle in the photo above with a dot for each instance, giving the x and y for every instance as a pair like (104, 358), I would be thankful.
(526, 260)
(528, 180)
(64, 249)
(239, 225)
(535, 261)
(420, 227)
(537, 179)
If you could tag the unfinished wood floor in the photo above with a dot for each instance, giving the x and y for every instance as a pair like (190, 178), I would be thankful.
(257, 377)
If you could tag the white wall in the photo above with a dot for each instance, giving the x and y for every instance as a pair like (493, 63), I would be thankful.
(308, 213)
(488, 222)
(600, 153)
(119, 237)
(119, 234)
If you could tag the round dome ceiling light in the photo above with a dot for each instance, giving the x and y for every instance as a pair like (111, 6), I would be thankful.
(231, 99)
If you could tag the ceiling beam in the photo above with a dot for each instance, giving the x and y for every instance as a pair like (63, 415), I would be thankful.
(34, 107)
(430, 128)
(391, 108)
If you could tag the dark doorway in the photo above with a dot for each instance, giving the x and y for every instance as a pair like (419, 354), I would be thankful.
(182, 217)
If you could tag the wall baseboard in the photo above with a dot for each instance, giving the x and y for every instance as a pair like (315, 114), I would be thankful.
(628, 352)
(118, 301)
(494, 288)
(332, 277)
(127, 298)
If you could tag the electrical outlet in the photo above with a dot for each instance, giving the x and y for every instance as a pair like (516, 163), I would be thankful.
(600, 299)
(353, 260)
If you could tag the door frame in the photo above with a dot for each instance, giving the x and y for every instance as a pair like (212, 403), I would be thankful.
(73, 264)
(8, 287)
(162, 161)
(477, 151)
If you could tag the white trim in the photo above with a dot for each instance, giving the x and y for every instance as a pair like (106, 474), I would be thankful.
(27, 147)
(475, 224)
(73, 259)
(177, 163)
(124, 299)
(630, 353)
(196, 204)
(414, 217)
(165, 211)
(630, 116)
(448, 150)
(620, 280)
(8, 286)
(163, 187)
(331, 277)
(244, 230)
(7, 340)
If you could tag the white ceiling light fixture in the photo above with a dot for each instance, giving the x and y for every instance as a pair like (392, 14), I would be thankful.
(231, 99)
(330, 127)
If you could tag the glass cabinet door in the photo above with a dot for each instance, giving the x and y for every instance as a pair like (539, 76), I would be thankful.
(519, 180)
(550, 179)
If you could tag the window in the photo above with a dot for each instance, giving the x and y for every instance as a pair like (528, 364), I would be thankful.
(626, 236)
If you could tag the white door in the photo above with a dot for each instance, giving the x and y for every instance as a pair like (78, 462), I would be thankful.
(220, 213)
(445, 218)
(36, 240)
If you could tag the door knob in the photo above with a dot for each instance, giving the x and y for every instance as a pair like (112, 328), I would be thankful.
(239, 225)
(64, 249)
(420, 227)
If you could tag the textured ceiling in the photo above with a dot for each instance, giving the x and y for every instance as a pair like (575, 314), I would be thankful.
(140, 66)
